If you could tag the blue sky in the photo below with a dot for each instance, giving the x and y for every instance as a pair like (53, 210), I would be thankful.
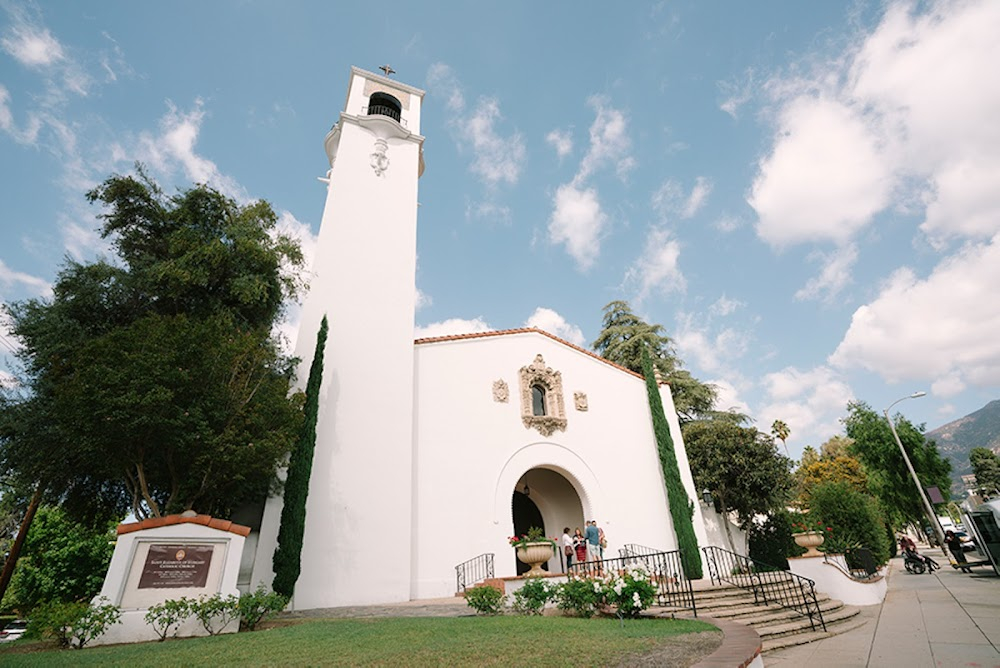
(805, 195)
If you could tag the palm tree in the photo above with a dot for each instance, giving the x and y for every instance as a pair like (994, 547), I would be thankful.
(781, 432)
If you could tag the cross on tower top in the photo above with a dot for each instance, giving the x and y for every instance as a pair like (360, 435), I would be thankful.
(387, 69)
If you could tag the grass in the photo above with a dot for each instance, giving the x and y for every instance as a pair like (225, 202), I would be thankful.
(396, 642)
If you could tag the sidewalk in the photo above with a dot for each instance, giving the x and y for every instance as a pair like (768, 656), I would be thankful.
(945, 619)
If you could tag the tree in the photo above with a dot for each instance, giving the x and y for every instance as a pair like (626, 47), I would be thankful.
(740, 466)
(154, 382)
(623, 338)
(63, 562)
(681, 506)
(888, 478)
(986, 467)
(781, 431)
(287, 556)
(852, 515)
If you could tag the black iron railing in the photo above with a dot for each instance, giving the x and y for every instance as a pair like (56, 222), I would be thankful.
(857, 564)
(673, 590)
(769, 586)
(474, 570)
(384, 110)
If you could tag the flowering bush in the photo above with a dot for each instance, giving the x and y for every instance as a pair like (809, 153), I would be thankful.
(805, 525)
(534, 535)
(631, 591)
(531, 598)
(580, 596)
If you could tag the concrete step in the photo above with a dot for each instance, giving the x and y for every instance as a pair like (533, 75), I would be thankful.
(802, 624)
(832, 629)
(754, 614)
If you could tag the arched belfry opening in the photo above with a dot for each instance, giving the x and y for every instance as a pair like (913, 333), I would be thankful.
(546, 499)
(383, 104)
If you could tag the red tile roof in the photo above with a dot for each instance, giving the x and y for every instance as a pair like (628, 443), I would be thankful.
(524, 330)
(204, 520)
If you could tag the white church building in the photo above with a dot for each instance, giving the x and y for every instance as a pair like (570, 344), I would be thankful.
(432, 452)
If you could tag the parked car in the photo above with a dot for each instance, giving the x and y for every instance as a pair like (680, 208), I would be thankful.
(967, 543)
(13, 630)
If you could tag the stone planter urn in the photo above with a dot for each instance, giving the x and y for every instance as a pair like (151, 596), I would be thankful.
(809, 540)
(535, 554)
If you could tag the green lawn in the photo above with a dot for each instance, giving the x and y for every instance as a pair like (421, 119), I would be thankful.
(477, 641)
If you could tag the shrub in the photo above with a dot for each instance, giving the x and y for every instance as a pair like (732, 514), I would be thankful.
(531, 598)
(486, 600)
(580, 596)
(771, 543)
(94, 622)
(630, 592)
(854, 516)
(55, 620)
(258, 606)
(168, 615)
(215, 612)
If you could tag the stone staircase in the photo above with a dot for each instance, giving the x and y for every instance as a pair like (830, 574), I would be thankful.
(778, 627)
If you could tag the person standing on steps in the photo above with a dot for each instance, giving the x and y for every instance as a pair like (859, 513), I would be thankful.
(567, 548)
(593, 535)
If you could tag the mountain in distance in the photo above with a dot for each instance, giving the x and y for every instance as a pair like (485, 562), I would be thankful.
(980, 429)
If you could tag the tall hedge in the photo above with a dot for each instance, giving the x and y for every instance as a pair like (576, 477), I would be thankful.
(287, 559)
(681, 506)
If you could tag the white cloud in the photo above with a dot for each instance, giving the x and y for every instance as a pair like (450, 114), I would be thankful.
(697, 198)
(497, 158)
(548, 320)
(489, 211)
(32, 45)
(728, 397)
(578, 222)
(657, 270)
(609, 141)
(834, 276)
(724, 306)
(452, 327)
(711, 352)
(737, 93)
(10, 278)
(727, 223)
(825, 178)
(561, 141)
(810, 403)
(27, 135)
(943, 326)
(422, 300)
(948, 386)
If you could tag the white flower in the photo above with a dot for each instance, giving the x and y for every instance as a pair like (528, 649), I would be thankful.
(597, 586)
(636, 599)
(618, 588)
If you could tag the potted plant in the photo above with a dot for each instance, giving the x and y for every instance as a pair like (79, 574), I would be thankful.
(810, 535)
(534, 549)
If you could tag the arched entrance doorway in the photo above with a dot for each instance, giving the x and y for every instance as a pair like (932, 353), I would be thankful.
(546, 499)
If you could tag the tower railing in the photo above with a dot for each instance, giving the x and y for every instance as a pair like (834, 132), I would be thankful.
(477, 569)
(768, 584)
(673, 589)
(384, 110)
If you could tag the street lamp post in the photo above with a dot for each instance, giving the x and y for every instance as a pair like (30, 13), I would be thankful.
(931, 515)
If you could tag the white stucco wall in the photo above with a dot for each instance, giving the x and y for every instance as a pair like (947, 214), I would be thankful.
(832, 581)
(471, 451)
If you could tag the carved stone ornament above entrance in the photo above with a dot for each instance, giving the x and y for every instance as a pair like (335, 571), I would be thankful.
(500, 391)
(542, 406)
(580, 400)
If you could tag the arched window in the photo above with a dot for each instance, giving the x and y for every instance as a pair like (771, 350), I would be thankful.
(537, 400)
(383, 104)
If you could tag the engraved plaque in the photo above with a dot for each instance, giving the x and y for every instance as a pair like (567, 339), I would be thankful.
(175, 566)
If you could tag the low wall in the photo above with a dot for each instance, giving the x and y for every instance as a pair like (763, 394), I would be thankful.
(834, 582)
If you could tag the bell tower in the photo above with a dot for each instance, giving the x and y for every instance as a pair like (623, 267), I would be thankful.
(357, 543)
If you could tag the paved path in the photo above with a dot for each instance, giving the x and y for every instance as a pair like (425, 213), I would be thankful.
(945, 619)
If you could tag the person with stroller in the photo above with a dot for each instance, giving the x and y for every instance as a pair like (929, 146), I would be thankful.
(914, 561)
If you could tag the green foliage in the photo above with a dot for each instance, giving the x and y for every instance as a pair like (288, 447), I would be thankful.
(740, 466)
(485, 600)
(623, 338)
(534, 535)
(986, 467)
(580, 596)
(61, 561)
(166, 617)
(287, 556)
(630, 592)
(888, 478)
(73, 624)
(531, 598)
(681, 507)
(259, 605)
(854, 517)
(215, 612)
(152, 381)
(771, 543)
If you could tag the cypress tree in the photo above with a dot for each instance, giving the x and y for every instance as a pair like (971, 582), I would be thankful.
(681, 507)
(287, 559)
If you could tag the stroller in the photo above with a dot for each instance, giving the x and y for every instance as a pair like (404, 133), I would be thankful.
(917, 563)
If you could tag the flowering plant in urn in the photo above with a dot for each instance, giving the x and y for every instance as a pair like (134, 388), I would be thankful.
(534, 535)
